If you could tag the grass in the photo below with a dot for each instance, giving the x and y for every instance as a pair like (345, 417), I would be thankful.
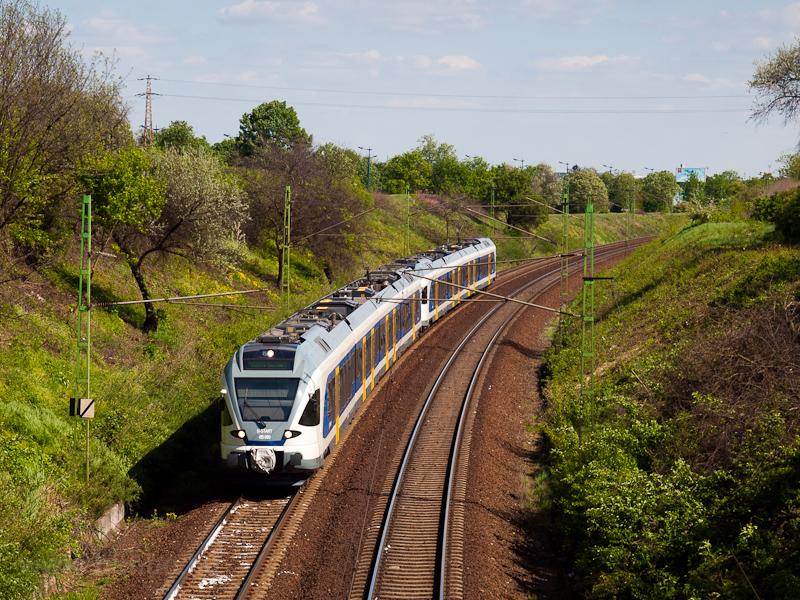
(690, 444)
(154, 439)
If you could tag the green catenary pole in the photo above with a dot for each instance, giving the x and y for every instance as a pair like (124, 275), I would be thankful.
(82, 358)
(408, 220)
(492, 210)
(287, 245)
(564, 264)
(587, 329)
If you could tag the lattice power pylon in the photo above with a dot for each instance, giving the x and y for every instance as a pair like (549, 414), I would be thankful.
(147, 136)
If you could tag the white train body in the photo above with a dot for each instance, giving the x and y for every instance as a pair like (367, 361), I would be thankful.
(290, 392)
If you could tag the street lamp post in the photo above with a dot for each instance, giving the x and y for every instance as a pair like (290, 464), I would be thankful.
(369, 157)
(521, 161)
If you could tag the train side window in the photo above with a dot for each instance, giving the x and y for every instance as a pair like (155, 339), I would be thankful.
(348, 380)
(310, 416)
(330, 404)
(359, 364)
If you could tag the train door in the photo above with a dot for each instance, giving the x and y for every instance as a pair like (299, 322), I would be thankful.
(363, 367)
(395, 335)
(414, 319)
(337, 395)
(387, 336)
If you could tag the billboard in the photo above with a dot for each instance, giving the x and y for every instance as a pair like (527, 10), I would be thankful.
(682, 173)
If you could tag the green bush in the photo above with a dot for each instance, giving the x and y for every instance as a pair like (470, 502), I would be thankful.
(686, 482)
(787, 217)
(782, 209)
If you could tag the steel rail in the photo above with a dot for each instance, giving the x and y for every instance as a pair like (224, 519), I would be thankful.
(192, 561)
(420, 421)
(454, 452)
(245, 588)
(382, 542)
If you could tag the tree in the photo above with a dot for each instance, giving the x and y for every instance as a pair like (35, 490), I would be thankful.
(55, 112)
(324, 191)
(585, 186)
(724, 185)
(180, 135)
(515, 194)
(790, 165)
(409, 169)
(175, 202)
(271, 123)
(776, 82)
(448, 175)
(621, 190)
(547, 184)
(693, 189)
(480, 178)
(370, 172)
(657, 191)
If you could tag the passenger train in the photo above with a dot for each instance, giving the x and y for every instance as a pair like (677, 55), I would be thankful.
(291, 392)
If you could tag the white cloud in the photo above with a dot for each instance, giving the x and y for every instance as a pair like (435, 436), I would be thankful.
(121, 50)
(306, 12)
(194, 60)
(718, 83)
(123, 31)
(436, 103)
(447, 65)
(368, 57)
(459, 63)
(581, 12)
(696, 77)
(791, 15)
(245, 77)
(762, 43)
(423, 17)
(570, 63)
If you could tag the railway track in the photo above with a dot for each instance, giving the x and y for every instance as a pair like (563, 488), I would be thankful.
(416, 546)
(225, 564)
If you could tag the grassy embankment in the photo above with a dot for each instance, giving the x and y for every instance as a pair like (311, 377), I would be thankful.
(153, 440)
(687, 484)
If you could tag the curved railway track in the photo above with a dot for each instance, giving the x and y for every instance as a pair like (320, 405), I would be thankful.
(224, 565)
(418, 539)
(413, 547)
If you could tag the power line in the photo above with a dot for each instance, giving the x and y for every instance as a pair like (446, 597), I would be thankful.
(560, 111)
(420, 94)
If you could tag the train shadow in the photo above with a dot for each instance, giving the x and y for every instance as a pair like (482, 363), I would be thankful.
(185, 471)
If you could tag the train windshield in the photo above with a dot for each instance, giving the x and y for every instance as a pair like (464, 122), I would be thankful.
(265, 400)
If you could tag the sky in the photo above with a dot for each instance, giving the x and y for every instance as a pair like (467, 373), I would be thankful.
(619, 85)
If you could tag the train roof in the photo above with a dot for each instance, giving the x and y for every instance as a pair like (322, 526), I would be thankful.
(385, 282)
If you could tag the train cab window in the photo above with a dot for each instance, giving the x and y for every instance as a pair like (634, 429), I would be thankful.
(310, 416)
(265, 399)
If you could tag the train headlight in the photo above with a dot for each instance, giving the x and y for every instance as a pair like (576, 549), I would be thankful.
(241, 434)
(289, 434)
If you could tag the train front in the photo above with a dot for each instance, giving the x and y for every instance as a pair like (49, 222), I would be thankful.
(271, 418)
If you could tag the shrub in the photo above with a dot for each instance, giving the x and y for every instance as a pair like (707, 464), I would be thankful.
(787, 217)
